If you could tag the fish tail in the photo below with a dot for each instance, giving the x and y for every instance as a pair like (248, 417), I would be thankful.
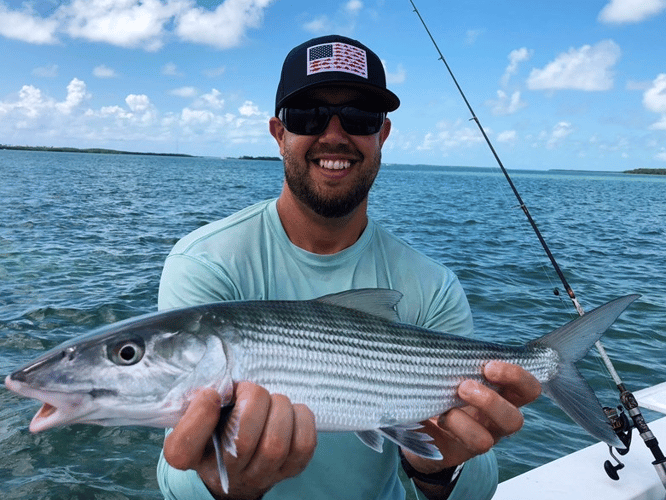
(568, 389)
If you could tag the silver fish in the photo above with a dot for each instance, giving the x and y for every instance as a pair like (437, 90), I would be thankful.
(346, 356)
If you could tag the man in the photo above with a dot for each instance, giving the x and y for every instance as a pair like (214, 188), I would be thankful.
(316, 238)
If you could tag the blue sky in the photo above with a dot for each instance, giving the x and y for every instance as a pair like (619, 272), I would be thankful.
(567, 84)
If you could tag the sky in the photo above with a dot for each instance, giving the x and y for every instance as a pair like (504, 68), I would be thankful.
(556, 85)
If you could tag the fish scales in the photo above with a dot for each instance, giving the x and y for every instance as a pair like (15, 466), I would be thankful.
(355, 370)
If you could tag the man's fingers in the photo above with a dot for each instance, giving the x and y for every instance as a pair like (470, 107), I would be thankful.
(495, 413)
(517, 386)
(474, 437)
(253, 403)
(184, 447)
(275, 441)
(303, 441)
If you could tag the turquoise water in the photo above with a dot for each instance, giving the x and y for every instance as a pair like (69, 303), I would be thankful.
(83, 238)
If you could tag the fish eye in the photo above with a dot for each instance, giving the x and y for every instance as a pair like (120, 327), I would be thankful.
(126, 352)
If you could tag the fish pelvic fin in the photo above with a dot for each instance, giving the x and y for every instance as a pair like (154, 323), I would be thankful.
(406, 436)
(568, 389)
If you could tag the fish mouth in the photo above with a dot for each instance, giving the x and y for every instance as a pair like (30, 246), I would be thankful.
(58, 408)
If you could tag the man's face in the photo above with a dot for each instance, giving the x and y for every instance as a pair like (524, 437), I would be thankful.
(331, 173)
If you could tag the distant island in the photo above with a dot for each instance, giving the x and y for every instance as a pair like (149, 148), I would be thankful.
(89, 150)
(263, 158)
(648, 171)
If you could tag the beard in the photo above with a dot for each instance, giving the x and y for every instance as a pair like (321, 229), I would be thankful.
(330, 206)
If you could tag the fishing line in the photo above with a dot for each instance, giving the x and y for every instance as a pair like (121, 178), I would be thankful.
(626, 397)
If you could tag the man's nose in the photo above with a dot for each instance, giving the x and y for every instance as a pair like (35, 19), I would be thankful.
(334, 131)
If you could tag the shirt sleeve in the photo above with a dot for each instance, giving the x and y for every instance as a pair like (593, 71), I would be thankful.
(180, 484)
(188, 280)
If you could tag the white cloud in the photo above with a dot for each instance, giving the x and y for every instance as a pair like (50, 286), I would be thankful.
(184, 92)
(170, 69)
(472, 36)
(46, 71)
(249, 109)
(654, 99)
(139, 23)
(507, 136)
(588, 68)
(126, 23)
(630, 11)
(211, 100)
(214, 72)
(27, 27)
(515, 58)
(138, 103)
(560, 132)
(225, 26)
(32, 104)
(353, 6)
(76, 94)
(451, 136)
(196, 116)
(30, 116)
(661, 155)
(319, 25)
(343, 21)
(103, 71)
(505, 105)
(397, 77)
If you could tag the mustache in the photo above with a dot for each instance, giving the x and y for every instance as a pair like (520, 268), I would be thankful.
(339, 149)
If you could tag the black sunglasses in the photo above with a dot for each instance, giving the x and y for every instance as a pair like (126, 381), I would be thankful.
(313, 121)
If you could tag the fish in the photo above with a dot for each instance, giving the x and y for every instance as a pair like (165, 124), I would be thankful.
(346, 356)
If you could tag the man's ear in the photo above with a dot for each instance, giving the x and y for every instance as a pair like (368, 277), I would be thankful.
(384, 132)
(277, 130)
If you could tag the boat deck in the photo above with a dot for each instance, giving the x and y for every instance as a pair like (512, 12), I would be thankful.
(581, 475)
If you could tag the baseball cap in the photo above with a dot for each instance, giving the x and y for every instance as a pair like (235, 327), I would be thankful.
(334, 60)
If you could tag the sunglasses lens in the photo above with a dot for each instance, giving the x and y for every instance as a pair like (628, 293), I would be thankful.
(313, 121)
(360, 122)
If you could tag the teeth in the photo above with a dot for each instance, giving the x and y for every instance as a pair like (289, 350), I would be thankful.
(334, 164)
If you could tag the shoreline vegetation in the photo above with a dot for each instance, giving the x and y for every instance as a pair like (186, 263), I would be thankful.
(642, 171)
(647, 171)
(88, 150)
(263, 158)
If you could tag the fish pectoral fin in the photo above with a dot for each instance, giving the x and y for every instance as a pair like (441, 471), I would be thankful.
(372, 439)
(221, 469)
(224, 439)
(409, 438)
(228, 427)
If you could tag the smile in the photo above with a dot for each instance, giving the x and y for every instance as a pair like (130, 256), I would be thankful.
(335, 164)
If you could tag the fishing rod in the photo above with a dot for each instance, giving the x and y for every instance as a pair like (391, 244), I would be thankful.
(619, 421)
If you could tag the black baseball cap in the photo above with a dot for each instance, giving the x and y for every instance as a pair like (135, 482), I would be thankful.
(334, 60)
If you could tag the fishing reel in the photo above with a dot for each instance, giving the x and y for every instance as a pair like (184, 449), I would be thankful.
(622, 427)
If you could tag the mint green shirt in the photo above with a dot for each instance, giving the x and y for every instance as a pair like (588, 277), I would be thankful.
(249, 256)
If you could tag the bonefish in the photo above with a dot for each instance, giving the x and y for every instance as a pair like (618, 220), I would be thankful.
(346, 356)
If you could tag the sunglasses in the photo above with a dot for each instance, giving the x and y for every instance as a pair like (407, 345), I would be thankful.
(313, 121)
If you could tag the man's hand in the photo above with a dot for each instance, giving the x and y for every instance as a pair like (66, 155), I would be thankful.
(276, 440)
(462, 433)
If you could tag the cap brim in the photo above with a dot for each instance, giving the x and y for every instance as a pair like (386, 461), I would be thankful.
(378, 99)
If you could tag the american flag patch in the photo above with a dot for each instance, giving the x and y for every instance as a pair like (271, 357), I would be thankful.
(337, 56)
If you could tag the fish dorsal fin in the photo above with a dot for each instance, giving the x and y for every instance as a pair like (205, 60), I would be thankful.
(379, 302)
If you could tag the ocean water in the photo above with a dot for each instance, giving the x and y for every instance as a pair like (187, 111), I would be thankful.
(83, 239)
